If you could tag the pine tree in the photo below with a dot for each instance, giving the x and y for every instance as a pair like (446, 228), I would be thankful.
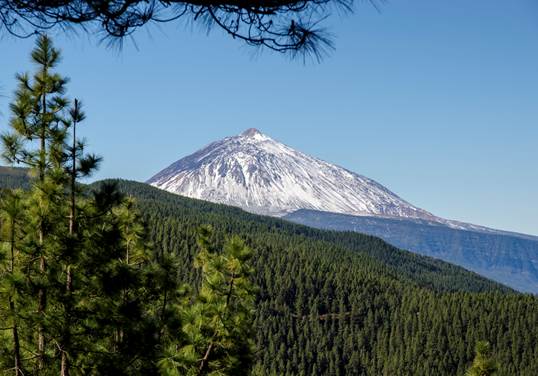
(483, 363)
(112, 277)
(77, 268)
(12, 209)
(217, 322)
(37, 114)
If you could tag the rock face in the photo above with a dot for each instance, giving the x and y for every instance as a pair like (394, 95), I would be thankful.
(264, 176)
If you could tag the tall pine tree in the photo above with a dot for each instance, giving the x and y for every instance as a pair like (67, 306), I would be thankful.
(78, 258)
(85, 293)
(217, 322)
(37, 141)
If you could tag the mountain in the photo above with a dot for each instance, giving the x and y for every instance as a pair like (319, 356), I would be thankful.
(159, 206)
(263, 176)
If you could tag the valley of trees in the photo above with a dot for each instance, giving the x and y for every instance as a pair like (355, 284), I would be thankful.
(120, 278)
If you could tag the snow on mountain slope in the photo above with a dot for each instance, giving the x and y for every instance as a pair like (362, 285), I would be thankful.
(264, 176)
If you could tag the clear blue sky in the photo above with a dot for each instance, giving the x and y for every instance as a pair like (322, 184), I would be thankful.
(435, 99)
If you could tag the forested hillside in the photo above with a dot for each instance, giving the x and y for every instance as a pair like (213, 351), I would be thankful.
(339, 303)
(343, 303)
(505, 257)
(13, 177)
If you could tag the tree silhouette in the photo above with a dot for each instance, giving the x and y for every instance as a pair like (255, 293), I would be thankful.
(291, 26)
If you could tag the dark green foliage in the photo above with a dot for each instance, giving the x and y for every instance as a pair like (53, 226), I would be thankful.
(217, 323)
(173, 214)
(348, 304)
(80, 290)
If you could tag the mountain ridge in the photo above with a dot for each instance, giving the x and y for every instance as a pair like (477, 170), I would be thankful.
(398, 262)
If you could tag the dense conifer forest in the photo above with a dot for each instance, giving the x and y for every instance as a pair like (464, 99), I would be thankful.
(340, 303)
(348, 304)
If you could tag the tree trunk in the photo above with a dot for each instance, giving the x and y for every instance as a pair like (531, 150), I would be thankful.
(67, 335)
(15, 332)
(16, 343)
(69, 277)
(42, 301)
(204, 361)
(73, 174)
(41, 295)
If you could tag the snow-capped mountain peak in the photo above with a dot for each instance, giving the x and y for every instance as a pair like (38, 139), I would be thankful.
(262, 175)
